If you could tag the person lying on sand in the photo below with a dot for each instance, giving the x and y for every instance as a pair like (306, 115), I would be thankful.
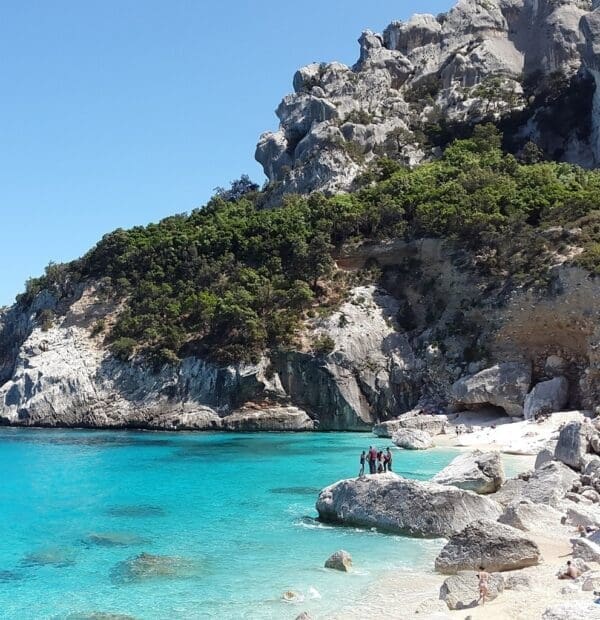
(570, 573)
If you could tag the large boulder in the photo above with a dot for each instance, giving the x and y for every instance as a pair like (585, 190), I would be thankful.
(461, 591)
(433, 424)
(573, 610)
(572, 445)
(268, 419)
(547, 485)
(477, 471)
(340, 560)
(581, 514)
(395, 504)
(486, 543)
(504, 385)
(413, 439)
(529, 517)
(546, 397)
(586, 549)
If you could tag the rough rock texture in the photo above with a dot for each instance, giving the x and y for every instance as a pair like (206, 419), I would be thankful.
(392, 503)
(412, 439)
(481, 472)
(574, 610)
(504, 385)
(340, 560)
(580, 514)
(470, 60)
(432, 424)
(486, 543)
(586, 549)
(547, 485)
(529, 517)
(572, 445)
(269, 419)
(461, 591)
(547, 397)
(65, 376)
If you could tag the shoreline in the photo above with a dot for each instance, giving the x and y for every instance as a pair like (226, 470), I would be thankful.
(394, 594)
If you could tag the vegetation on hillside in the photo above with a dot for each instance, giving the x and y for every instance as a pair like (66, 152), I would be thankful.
(232, 279)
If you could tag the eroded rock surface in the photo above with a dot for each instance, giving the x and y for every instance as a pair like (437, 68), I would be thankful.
(486, 543)
(481, 472)
(395, 504)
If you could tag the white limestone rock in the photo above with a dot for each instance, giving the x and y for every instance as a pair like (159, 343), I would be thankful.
(546, 397)
(413, 439)
(504, 385)
(394, 504)
(481, 472)
(494, 546)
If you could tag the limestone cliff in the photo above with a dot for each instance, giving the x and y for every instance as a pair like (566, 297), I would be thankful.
(530, 64)
(436, 331)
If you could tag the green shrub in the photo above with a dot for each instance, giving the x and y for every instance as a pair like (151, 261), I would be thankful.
(323, 345)
(123, 348)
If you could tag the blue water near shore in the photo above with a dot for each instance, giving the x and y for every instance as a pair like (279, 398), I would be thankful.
(235, 511)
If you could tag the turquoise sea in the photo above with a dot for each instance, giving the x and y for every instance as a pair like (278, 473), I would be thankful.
(233, 513)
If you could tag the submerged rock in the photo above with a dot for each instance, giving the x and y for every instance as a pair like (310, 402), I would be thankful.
(395, 504)
(481, 472)
(148, 567)
(59, 557)
(461, 591)
(413, 439)
(114, 539)
(98, 615)
(340, 560)
(141, 511)
(494, 546)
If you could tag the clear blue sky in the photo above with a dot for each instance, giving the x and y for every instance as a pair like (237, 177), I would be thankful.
(120, 112)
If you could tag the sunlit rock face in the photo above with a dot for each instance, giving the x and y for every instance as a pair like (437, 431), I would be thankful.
(476, 62)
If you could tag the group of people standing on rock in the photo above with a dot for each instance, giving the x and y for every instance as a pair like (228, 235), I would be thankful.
(378, 460)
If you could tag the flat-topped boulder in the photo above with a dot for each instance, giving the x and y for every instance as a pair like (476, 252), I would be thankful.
(394, 504)
(433, 424)
(481, 472)
(269, 419)
(413, 439)
(486, 543)
(504, 385)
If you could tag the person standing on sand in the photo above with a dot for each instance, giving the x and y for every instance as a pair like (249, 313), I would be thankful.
(372, 460)
(380, 462)
(484, 584)
(363, 459)
(388, 459)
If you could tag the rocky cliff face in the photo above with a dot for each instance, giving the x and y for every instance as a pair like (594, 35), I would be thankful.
(378, 364)
(64, 376)
(483, 60)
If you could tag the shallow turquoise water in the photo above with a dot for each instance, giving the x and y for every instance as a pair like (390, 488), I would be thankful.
(239, 508)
